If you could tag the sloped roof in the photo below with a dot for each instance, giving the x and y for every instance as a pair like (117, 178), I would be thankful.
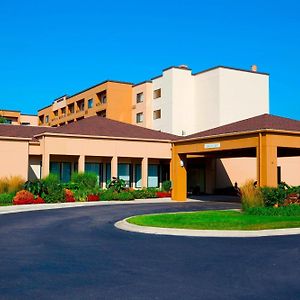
(99, 126)
(265, 121)
(22, 131)
(93, 126)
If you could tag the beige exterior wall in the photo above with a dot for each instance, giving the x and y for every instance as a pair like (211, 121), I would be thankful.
(13, 158)
(145, 106)
(32, 120)
(231, 170)
(290, 170)
(106, 147)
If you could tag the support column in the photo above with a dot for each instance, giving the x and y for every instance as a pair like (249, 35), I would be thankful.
(114, 166)
(45, 165)
(81, 164)
(145, 172)
(267, 163)
(210, 175)
(104, 175)
(179, 177)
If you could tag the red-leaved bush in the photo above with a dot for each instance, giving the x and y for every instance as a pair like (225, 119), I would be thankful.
(39, 200)
(23, 197)
(93, 198)
(163, 194)
(69, 196)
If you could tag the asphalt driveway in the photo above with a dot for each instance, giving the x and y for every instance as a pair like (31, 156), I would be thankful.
(76, 253)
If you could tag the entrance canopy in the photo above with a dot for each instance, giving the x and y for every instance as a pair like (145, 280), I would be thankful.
(265, 137)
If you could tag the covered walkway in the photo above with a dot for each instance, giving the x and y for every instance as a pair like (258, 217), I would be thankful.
(265, 137)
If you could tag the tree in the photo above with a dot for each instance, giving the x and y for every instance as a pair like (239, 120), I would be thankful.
(3, 120)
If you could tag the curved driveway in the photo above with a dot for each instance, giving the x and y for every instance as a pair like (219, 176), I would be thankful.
(77, 253)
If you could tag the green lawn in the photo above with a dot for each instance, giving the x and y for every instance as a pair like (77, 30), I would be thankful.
(218, 220)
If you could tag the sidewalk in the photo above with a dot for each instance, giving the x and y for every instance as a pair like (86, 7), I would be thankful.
(35, 207)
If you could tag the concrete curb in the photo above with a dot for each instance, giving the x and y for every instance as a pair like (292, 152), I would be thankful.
(37, 207)
(124, 225)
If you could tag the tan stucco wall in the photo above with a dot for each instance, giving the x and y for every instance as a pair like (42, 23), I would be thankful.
(231, 170)
(13, 158)
(33, 120)
(106, 147)
(290, 170)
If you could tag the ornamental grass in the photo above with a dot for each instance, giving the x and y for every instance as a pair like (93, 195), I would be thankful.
(11, 184)
(251, 196)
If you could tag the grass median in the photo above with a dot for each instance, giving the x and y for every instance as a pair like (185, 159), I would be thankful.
(216, 220)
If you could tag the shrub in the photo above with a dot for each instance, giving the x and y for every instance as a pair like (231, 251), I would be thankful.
(80, 194)
(117, 185)
(150, 193)
(69, 196)
(11, 184)
(93, 198)
(23, 197)
(123, 196)
(86, 180)
(139, 194)
(6, 198)
(54, 191)
(38, 200)
(36, 187)
(107, 195)
(273, 196)
(250, 195)
(163, 194)
(290, 210)
(166, 186)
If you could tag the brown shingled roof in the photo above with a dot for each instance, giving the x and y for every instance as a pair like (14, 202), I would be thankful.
(99, 126)
(265, 121)
(22, 131)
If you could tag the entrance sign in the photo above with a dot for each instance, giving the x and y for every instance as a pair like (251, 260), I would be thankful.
(212, 146)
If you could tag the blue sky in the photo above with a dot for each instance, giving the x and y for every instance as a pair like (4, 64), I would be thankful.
(51, 48)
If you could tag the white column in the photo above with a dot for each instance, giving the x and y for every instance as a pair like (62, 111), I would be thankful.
(81, 163)
(114, 166)
(145, 172)
(45, 165)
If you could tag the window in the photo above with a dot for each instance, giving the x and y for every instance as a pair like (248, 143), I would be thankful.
(71, 108)
(55, 113)
(139, 118)
(124, 173)
(138, 176)
(102, 113)
(94, 168)
(157, 94)
(63, 111)
(157, 114)
(153, 172)
(139, 97)
(102, 97)
(62, 170)
(80, 105)
(108, 173)
(47, 119)
(90, 103)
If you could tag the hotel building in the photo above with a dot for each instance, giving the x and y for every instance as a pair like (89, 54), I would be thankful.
(15, 117)
(205, 131)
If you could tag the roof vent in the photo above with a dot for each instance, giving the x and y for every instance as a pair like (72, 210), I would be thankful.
(183, 67)
(254, 68)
